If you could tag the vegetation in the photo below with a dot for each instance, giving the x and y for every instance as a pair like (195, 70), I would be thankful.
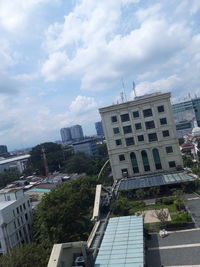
(9, 176)
(30, 255)
(64, 214)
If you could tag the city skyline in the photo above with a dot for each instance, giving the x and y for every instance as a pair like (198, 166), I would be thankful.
(63, 60)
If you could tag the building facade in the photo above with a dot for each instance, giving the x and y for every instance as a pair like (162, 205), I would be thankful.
(65, 135)
(99, 128)
(15, 219)
(88, 147)
(141, 136)
(19, 162)
(3, 150)
(76, 132)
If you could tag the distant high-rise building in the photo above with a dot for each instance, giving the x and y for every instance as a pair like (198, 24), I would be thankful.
(99, 128)
(76, 132)
(66, 135)
(88, 147)
(186, 116)
(3, 150)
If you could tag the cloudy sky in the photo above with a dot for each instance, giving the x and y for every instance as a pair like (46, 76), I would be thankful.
(60, 60)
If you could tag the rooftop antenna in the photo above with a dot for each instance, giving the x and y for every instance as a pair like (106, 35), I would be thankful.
(124, 89)
(134, 90)
(122, 97)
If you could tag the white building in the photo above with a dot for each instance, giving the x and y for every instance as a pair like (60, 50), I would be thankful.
(76, 132)
(65, 134)
(18, 162)
(141, 136)
(15, 218)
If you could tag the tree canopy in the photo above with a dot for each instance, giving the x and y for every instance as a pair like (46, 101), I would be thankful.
(64, 214)
(9, 176)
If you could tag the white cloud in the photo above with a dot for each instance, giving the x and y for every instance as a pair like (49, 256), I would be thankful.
(82, 104)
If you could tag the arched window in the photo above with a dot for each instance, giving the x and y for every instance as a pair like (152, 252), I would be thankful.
(134, 162)
(145, 161)
(156, 158)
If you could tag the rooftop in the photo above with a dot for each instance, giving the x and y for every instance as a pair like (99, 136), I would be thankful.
(9, 190)
(157, 179)
(4, 204)
(123, 243)
(8, 160)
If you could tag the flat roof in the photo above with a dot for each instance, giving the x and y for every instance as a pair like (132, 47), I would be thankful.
(14, 159)
(11, 189)
(157, 179)
(4, 204)
(123, 243)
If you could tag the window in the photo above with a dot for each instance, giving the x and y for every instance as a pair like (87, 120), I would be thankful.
(116, 130)
(124, 172)
(127, 129)
(145, 161)
(118, 142)
(121, 157)
(125, 117)
(163, 121)
(15, 224)
(160, 108)
(28, 203)
(149, 124)
(18, 222)
(17, 210)
(147, 112)
(140, 138)
(17, 236)
(129, 141)
(152, 137)
(22, 220)
(156, 158)
(8, 198)
(165, 133)
(21, 208)
(114, 118)
(172, 164)
(24, 206)
(20, 233)
(134, 162)
(135, 114)
(26, 216)
(138, 126)
(169, 149)
(13, 213)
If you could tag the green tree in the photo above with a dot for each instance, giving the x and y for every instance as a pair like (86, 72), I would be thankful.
(30, 255)
(9, 176)
(54, 155)
(64, 214)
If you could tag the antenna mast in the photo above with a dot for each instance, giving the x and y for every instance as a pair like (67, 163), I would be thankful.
(134, 90)
(45, 163)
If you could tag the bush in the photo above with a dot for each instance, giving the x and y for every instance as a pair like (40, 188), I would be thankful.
(181, 218)
(165, 200)
(179, 204)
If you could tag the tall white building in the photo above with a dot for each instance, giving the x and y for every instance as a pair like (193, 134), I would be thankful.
(65, 134)
(141, 136)
(15, 218)
(76, 132)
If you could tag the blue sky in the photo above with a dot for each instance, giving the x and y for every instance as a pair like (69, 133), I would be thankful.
(62, 60)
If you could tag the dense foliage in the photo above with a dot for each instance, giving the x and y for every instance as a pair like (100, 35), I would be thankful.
(30, 255)
(64, 214)
(9, 176)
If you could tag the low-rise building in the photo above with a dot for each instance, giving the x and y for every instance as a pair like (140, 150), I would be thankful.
(15, 218)
(18, 162)
(87, 146)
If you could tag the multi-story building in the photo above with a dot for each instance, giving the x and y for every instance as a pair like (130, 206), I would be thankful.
(186, 116)
(99, 128)
(3, 150)
(19, 162)
(65, 134)
(76, 132)
(87, 146)
(141, 136)
(15, 218)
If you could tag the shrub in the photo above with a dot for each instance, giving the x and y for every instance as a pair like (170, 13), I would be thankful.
(165, 200)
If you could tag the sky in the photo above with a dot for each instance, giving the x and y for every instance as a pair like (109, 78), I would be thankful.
(60, 61)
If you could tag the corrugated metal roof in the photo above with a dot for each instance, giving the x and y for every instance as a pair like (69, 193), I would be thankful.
(123, 243)
(154, 180)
